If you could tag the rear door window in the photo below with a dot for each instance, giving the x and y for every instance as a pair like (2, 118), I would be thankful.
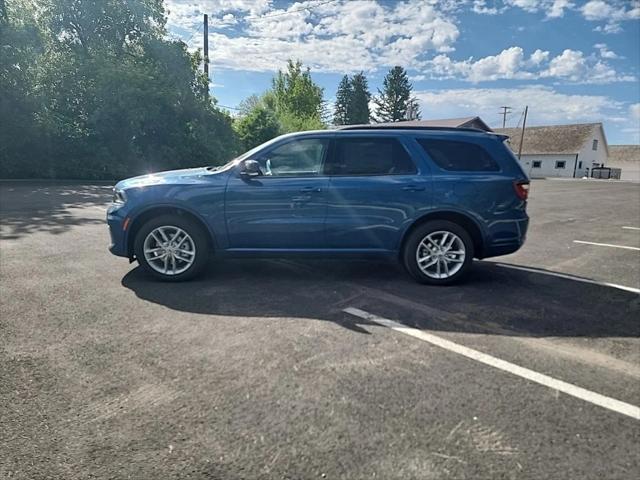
(300, 157)
(458, 156)
(369, 156)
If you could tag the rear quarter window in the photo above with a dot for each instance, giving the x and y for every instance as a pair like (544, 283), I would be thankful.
(369, 156)
(457, 156)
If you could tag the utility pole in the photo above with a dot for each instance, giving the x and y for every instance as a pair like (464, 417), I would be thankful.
(505, 110)
(524, 124)
(206, 51)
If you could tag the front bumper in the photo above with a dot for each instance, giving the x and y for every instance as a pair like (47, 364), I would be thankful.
(117, 221)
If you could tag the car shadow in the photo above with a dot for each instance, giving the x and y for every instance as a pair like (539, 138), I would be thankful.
(29, 207)
(492, 300)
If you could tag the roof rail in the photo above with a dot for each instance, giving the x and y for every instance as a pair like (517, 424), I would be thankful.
(373, 126)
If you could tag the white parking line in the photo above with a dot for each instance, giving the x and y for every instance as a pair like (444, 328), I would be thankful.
(606, 245)
(631, 228)
(568, 277)
(573, 390)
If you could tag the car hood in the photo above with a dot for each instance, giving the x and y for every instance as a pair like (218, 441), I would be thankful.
(187, 175)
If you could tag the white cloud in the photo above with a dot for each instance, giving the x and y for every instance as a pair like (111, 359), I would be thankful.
(609, 12)
(538, 57)
(528, 5)
(341, 36)
(604, 51)
(631, 124)
(511, 63)
(345, 36)
(507, 64)
(481, 7)
(572, 65)
(558, 7)
(187, 14)
(596, 10)
(569, 64)
(612, 12)
(546, 106)
(551, 8)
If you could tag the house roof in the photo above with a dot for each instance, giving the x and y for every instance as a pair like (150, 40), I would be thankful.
(464, 122)
(551, 139)
(624, 153)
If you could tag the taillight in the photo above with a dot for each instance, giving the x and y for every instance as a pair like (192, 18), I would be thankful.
(522, 189)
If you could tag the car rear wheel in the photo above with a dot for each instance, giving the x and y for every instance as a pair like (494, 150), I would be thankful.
(438, 253)
(172, 248)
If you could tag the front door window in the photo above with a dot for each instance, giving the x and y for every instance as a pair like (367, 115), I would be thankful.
(299, 158)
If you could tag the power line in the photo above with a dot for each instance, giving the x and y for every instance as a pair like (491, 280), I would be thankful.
(200, 25)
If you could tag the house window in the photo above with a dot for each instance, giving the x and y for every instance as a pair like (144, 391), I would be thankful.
(561, 164)
(537, 164)
(595, 145)
(580, 164)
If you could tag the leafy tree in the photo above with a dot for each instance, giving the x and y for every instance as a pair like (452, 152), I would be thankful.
(21, 41)
(296, 99)
(258, 126)
(359, 113)
(344, 100)
(395, 100)
(100, 92)
(250, 103)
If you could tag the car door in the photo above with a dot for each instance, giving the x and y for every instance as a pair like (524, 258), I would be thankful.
(285, 206)
(376, 188)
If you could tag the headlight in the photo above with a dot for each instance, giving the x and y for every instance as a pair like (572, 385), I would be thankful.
(119, 196)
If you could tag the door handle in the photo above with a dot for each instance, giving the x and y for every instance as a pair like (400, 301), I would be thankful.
(310, 189)
(413, 188)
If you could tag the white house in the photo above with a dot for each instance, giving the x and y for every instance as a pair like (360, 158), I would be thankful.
(560, 150)
(626, 158)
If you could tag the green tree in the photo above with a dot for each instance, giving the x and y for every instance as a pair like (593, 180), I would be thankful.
(296, 99)
(104, 92)
(257, 126)
(250, 103)
(22, 139)
(359, 112)
(395, 100)
(344, 99)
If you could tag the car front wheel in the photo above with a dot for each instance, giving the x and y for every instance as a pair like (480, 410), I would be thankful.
(172, 248)
(438, 253)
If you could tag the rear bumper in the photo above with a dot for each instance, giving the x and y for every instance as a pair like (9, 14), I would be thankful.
(117, 233)
(506, 236)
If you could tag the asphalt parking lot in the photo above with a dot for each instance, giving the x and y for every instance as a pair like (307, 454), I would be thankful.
(256, 371)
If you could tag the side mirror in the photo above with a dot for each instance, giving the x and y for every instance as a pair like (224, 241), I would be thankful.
(250, 168)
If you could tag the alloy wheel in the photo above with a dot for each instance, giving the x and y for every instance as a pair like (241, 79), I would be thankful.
(169, 250)
(440, 254)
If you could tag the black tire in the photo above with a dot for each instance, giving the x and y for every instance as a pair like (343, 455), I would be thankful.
(409, 252)
(199, 237)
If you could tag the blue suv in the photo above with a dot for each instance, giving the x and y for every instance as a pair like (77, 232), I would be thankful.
(434, 198)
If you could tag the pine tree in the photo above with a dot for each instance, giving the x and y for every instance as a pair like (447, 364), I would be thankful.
(395, 100)
(344, 94)
(359, 112)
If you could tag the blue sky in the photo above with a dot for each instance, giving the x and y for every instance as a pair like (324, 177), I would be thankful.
(571, 61)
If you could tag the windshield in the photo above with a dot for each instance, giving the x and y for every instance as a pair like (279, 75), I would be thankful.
(229, 164)
(247, 154)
